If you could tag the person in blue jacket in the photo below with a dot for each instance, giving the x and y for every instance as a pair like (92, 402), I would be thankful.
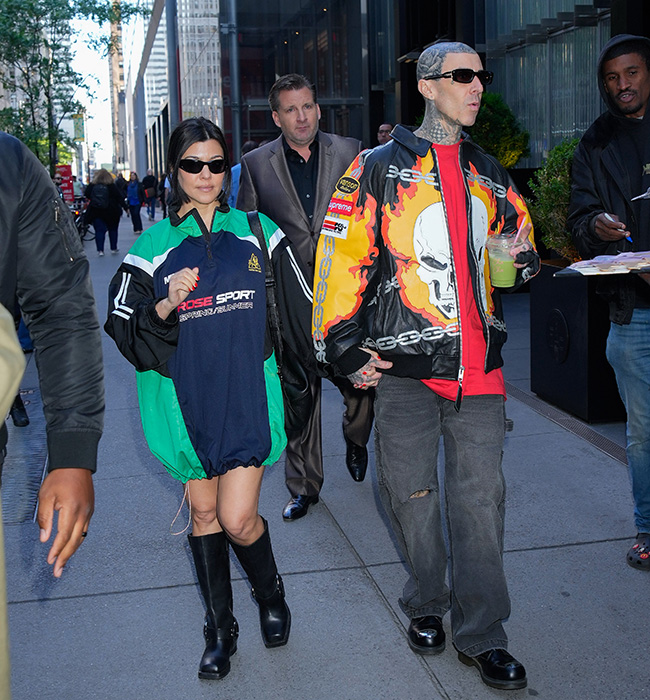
(135, 199)
(187, 308)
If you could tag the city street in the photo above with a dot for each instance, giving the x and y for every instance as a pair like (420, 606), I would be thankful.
(125, 620)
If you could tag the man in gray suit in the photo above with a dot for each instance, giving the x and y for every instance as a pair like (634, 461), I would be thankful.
(291, 180)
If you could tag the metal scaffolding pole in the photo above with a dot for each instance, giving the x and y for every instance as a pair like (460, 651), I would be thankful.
(235, 98)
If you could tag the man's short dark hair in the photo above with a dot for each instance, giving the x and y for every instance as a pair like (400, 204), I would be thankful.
(291, 81)
(632, 46)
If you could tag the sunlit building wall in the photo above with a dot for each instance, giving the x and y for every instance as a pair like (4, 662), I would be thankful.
(199, 46)
(544, 55)
(172, 65)
(362, 57)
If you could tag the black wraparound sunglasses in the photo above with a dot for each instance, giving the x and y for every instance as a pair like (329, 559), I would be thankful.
(464, 75)
(189, 165)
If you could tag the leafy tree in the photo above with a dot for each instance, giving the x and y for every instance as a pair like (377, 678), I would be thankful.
(36, 65)
(498, 132)
(551, 188)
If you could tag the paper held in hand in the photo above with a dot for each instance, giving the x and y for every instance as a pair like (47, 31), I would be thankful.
(620, 264)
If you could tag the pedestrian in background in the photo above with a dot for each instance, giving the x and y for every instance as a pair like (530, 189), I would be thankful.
(18, 411)
(104, 209)
(121, 185)
(162, 194)
(383, 133)
(236, 170)
(57, 179)
(150, 184)
(135, 199)
(77, 188)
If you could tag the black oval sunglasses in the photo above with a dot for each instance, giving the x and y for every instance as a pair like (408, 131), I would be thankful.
(189, 165)
(464, 75)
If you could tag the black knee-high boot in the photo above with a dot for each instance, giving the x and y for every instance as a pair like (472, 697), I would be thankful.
(267, 588)
(220, 630)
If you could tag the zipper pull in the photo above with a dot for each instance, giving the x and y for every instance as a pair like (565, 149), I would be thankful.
(459, 395)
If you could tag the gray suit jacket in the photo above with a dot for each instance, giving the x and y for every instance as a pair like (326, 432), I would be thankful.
(265, 184)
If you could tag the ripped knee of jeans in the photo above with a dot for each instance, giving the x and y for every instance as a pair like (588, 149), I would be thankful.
(420, 494)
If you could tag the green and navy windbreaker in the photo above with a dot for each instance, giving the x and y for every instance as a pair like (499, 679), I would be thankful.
(210, 397)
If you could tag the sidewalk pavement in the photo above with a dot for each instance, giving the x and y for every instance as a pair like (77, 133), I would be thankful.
(125, 621)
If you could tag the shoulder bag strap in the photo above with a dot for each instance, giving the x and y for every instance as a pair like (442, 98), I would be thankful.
(273, 314)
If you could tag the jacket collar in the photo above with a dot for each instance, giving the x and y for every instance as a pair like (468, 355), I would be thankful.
(192, 221)
(405, 135)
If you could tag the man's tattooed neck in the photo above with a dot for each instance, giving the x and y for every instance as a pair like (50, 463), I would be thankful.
(436, 129)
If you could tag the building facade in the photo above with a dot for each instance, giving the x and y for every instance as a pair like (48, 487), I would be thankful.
(218, 58)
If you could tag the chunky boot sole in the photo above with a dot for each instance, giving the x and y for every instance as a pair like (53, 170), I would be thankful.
(218, 675)
(498, 683)
(426, 651)
(274, 615)
(425, 635)
(270, 644)
(223, 656)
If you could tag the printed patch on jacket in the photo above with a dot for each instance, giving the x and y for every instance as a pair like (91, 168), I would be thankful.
(347, 185)
(339, 206)
(254, 264)
(333, 226)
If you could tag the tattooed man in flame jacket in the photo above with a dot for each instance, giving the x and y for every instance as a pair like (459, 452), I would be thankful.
(403, 301)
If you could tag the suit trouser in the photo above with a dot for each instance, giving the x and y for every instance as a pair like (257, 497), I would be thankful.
(303, 466)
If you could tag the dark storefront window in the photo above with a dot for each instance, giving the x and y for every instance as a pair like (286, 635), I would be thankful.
(320, 40)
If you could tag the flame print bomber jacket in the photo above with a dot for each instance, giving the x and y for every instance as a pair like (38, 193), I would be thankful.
(385, 265)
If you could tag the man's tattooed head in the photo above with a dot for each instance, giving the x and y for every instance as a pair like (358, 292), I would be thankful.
(432, 58)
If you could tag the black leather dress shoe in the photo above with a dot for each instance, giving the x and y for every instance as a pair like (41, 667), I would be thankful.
(356, 460)
(298, 506)
(498, 669)
(425, 635)
(18, 413)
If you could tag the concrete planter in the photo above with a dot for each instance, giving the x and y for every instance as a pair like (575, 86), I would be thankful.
(568, 332)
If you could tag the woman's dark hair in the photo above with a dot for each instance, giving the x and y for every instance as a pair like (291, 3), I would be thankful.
(188, 132)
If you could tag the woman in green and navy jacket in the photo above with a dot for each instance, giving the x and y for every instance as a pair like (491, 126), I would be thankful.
(187, 308)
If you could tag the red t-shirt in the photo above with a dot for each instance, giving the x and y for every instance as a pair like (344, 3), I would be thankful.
(475, 381)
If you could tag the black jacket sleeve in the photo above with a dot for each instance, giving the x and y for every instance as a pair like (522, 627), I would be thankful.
(585, 204)
(44, 265)
(144, 339)
(295, 298)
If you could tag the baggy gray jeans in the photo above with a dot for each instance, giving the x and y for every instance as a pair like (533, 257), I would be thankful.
(409, 421)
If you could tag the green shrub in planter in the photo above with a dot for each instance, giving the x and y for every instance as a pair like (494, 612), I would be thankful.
(551, 188)
(498, 132)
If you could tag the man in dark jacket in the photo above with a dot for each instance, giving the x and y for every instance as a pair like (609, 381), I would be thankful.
(291, 180)
(150, 184)
(43, 265)
(608, 214)
(404, 301)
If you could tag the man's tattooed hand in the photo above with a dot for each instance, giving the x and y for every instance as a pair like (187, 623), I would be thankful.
(370, 374)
